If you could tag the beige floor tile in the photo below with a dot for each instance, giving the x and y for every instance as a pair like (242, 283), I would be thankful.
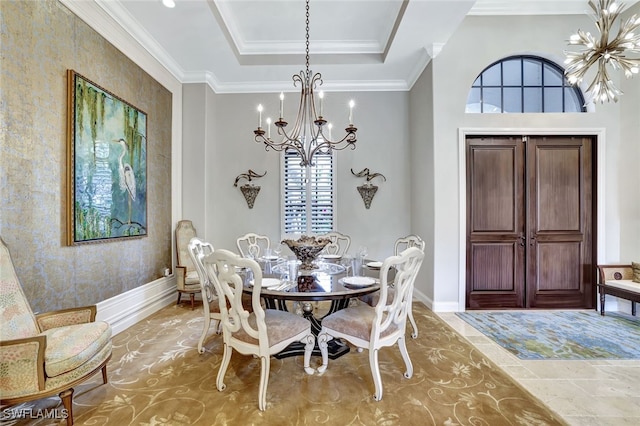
(582, 392)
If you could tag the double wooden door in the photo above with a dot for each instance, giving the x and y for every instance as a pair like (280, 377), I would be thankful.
(530, 222)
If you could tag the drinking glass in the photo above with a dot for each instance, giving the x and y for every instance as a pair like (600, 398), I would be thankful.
(356, 266)
(278, 250)
(292, 268)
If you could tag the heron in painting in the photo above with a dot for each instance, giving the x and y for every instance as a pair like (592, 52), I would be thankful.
(127, 178)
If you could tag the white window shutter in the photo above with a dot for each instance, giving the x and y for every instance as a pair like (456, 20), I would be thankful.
(308, 199)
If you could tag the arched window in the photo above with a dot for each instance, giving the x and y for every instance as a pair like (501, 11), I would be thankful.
(524, 84)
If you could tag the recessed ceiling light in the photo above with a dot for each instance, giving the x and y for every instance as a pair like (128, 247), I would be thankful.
(169, 3)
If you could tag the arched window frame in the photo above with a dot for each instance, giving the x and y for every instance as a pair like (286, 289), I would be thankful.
(514, 85)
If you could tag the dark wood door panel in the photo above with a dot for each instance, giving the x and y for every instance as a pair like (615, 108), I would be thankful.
(493, 195)
(558, 266)
(494, 266)
(558, 188)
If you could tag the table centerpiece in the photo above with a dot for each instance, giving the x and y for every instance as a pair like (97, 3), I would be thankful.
(306, 249)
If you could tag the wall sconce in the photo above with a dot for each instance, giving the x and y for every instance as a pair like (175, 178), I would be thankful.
(368, 190)
(249, 190)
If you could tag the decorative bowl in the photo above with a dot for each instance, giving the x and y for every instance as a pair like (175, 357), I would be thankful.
(306, 249)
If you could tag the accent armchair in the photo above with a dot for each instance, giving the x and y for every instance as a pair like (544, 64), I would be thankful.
(46, 354)
(187, 279)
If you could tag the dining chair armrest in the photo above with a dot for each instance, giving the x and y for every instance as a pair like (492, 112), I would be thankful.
(22, 365)
(181, 276)
(63, 317)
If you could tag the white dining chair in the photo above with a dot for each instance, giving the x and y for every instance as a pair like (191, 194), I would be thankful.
(263, 332)
(399, 246)
(338, 246)
(375, 327)
(211, 308)
(252, 244)
(404, 243)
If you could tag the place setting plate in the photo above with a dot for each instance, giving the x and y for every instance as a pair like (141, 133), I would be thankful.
(269, 283)
(357, 281)
(331, 256)
(374, 265)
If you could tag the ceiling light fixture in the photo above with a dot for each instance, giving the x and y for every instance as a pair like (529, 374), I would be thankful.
(605, 52)
(307, 136)
(169, 3)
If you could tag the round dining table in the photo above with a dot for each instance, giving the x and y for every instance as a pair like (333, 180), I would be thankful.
(329, 282)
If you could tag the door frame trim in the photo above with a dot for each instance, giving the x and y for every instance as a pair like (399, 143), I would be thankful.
(463, 132)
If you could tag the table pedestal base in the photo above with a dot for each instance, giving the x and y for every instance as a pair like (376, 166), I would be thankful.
(336, 347)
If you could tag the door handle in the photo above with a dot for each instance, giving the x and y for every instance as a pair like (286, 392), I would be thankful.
(532, 240)
(522, 240)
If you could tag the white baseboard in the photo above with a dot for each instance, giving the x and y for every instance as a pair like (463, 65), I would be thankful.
(435, 307)
(126, 309)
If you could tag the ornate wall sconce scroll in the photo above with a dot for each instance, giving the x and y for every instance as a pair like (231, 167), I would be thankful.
(249, 190)
(368, 190)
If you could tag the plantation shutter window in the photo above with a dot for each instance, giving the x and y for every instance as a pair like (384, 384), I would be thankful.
(308, 194)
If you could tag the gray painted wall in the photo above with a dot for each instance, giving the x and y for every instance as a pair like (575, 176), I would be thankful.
(229, 147)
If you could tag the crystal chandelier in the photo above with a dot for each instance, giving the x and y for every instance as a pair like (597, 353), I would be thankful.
(308, 136)
(605, 52)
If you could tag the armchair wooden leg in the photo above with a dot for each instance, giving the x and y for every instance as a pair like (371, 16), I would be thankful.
(193, 301)
(179, 295)
(104, 375)
(67, 401)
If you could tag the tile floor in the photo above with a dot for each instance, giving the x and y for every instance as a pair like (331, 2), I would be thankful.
(583, 393)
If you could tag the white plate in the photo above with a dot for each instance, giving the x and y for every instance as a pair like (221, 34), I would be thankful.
(270, 257)
(374, 265)
(358, 281)
(331, 256)
(268, 282)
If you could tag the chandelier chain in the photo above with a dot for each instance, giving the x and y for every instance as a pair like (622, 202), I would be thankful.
(307, 39)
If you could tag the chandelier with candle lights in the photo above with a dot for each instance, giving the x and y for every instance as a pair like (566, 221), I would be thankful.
(307, 137)
(605, 53)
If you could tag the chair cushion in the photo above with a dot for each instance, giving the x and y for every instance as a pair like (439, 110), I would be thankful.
(192, 278)
(355, 321)
(628, 285)
(71, 346)
(636, 272)
(281, 325)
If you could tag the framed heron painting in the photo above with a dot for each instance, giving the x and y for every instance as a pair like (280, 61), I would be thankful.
(106, 165)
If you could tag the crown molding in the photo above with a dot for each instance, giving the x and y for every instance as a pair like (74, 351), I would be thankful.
(130, 25)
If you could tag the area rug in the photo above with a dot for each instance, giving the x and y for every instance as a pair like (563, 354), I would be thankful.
(157, 377)
(576, 335)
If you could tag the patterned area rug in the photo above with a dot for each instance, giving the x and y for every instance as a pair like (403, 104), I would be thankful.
(561, 334)
(157, 377)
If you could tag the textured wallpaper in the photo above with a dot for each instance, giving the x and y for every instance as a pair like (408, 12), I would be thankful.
(40, 41)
